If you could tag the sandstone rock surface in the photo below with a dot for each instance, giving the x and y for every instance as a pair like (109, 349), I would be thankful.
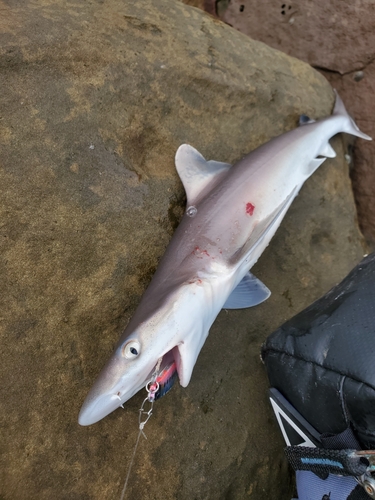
(96, 97)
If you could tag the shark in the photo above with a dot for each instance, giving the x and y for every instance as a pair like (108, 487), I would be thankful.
(232, 213)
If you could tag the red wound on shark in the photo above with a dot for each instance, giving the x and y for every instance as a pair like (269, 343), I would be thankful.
(250, 208)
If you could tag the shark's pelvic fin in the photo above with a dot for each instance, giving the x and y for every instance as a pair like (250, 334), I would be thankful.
(196, 174)
(249, 292)
(327, 151)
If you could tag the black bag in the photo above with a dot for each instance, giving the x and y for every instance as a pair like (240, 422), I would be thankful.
(323, 359)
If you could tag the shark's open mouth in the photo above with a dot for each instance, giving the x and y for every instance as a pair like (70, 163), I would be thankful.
(167, 373)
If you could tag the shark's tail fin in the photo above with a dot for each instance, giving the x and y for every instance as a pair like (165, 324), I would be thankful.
(349, 127)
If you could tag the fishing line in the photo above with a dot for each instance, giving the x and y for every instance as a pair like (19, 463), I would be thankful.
(130, 466)
(152, 388)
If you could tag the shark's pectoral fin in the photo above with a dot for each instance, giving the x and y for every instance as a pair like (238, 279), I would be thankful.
(249, 292)
(313, 165)
(196, 174)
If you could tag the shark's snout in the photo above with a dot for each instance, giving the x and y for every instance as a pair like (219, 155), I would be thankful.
(108, 392)
(98, 408)
(116, 385)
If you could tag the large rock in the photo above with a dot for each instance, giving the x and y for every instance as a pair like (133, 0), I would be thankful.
(95, 99)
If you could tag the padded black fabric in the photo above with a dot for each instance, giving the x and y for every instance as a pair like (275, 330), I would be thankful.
(344, 441)
(323, 359)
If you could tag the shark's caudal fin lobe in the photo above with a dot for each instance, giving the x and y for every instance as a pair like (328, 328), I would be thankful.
(350, 127)
(249, 292)
(197, 175)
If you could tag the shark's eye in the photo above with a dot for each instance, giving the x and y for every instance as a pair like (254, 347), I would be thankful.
(131, 349)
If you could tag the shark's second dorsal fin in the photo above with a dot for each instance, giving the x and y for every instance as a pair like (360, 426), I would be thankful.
(249, 292)
(196, 173)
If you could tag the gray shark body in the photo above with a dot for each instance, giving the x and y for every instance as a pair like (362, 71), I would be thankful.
(232, 214)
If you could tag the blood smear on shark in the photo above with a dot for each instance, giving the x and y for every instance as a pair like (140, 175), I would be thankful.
(250, 208)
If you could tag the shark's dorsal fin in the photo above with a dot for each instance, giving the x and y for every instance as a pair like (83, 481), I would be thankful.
(197, 174)
(249, 292)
